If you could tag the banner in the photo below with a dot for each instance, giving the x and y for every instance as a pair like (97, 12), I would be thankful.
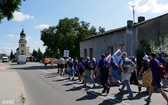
(66, 53)
(117, 56)
(108, 58)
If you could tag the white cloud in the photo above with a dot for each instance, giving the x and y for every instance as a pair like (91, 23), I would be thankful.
(19, 16)
(42, 26)
(149, 6)
(7, 49)
(28, 38)
(35, 44)
(18, 36)
(13, 36)
(10, 35)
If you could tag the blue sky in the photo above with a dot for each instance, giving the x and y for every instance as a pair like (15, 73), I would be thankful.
(35, 15)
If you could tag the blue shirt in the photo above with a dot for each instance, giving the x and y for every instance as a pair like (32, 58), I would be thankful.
(102, 63)
(154, 69)
(145, 65)
(81, 64)
(86, 64)
(114, 65)
(161, 60)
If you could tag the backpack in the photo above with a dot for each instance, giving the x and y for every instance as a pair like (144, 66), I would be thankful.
(90, 65)
(70, 63)
(162, 73)
(129, 68)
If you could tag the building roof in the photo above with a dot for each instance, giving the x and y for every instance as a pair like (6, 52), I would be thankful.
(122, 28)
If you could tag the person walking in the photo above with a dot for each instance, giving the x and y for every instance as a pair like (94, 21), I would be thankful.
(71, 70)
(94, 63)
(145, 65)
(125, 65)
(62, 63)
(153, 67)
(75, 61)
(80, 68)
(88, 76)
(103, 69)
(133, 79)
(114, 72)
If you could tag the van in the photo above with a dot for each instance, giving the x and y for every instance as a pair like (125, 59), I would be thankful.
(21, 59)
(5, 59)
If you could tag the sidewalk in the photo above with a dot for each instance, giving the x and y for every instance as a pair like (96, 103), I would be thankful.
(11, 88)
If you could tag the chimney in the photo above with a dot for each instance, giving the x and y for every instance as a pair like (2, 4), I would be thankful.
(129, 24)
(141, 19)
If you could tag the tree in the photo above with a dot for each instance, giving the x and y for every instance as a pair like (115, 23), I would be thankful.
(66, 36)
(12, 56)
(34, 53)
(7, 8)
(101, 30)
(39, 54)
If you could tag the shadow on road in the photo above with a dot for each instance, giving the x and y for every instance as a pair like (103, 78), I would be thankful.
(75, 88)
(60, 80)
(88, 96)
(34, 68)
(141, 95)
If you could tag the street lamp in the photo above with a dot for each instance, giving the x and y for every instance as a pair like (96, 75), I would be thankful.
(133, 13)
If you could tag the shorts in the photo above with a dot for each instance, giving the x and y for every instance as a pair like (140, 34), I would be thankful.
(156, 84)
(65, 66)
(58, 65)
(61, 66)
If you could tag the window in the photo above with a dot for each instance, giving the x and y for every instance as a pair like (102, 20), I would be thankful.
(91, 52)
(23, 45)
(22, 50)
(85, 52)
(113, 49)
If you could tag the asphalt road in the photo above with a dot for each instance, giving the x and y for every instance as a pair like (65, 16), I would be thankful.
(45, 87)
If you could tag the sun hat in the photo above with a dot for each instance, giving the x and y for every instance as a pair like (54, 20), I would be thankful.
(145, 57)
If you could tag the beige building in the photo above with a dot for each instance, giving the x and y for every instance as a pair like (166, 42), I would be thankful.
(22, 49)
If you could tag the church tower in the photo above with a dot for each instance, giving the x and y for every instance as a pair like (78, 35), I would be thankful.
(22, 43)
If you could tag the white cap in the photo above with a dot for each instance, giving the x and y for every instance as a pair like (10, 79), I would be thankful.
(145, 57)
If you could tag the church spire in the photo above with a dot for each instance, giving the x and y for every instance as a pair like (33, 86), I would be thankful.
(22, 34)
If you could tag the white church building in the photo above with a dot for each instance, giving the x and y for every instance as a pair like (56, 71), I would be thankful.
(22, 49)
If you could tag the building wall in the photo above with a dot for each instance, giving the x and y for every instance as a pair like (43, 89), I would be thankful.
(153, 30)
(22, 48)
(105, 44)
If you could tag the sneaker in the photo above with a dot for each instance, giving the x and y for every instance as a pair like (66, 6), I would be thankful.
(94, 86)
(73, 79)
(104, 90)
(108, 90)
(130, 97)
(139, 88)
(83, 82)
(120, 90)
(147, 99)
